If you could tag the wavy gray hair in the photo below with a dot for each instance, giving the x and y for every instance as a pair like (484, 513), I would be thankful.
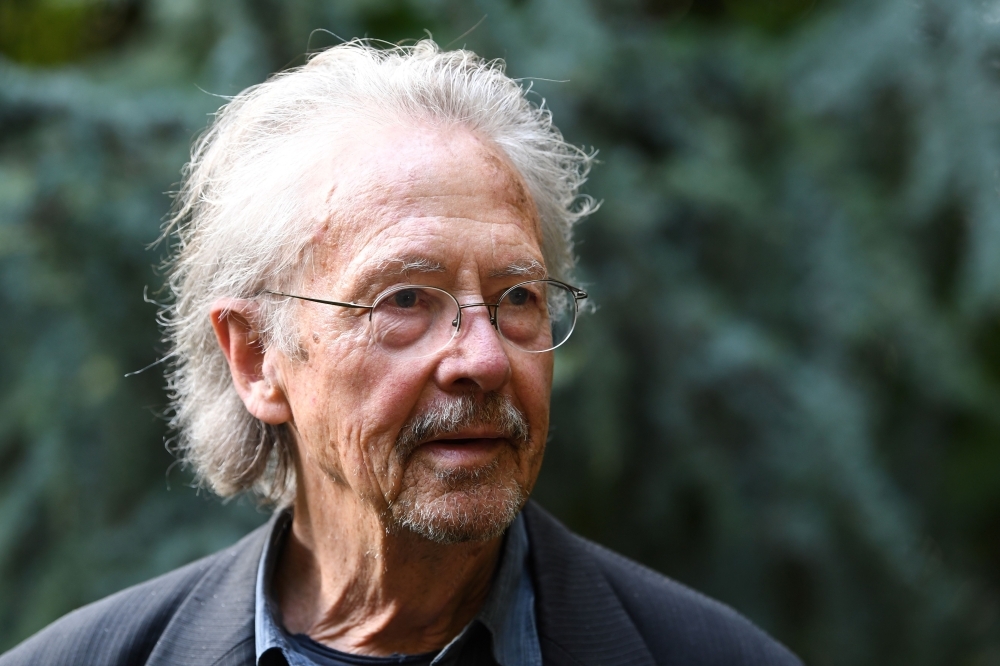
(239, 228)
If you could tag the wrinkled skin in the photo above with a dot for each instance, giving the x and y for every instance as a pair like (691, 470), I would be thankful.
(397, 205)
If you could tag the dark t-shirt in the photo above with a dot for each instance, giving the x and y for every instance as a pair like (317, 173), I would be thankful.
(327, 656)
(473, 647)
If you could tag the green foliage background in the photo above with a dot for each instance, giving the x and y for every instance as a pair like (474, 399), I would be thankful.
(789, 396)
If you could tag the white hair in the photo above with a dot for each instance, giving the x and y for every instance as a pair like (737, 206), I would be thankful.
(240, 224)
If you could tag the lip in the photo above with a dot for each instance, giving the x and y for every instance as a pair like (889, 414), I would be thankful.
(466, 449)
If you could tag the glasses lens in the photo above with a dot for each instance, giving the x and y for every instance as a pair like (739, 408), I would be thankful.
(414, 321)
(537, 316)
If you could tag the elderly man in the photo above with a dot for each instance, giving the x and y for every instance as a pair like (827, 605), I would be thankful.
(373, 256)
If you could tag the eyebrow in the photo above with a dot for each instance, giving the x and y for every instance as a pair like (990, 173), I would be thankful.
(371, 279)
(404, 265)
(374, 275)
(530, 268)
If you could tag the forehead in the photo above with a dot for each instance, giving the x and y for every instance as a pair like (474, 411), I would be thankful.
(434, 196)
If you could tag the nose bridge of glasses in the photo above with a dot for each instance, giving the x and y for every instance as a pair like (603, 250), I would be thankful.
(490, 307)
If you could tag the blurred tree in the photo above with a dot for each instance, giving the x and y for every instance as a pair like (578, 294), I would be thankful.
(787, 397)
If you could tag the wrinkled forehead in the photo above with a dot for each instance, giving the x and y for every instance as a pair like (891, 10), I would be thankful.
(397, 189)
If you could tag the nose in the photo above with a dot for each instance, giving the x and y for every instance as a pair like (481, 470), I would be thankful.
(477, 358)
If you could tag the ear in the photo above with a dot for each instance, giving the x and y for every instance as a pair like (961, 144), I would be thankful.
(252, 367)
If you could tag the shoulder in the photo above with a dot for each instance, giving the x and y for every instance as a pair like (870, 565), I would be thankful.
(672, 617)
(125, 627)
(119, 629)
(676, 624)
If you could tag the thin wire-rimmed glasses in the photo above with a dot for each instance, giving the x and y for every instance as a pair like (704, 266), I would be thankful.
(418, 320)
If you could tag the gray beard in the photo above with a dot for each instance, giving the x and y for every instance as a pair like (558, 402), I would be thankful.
(465, 505)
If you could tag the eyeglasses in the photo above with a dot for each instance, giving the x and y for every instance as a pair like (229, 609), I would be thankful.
(417, 320)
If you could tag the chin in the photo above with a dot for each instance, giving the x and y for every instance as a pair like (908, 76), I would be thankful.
(458, 506)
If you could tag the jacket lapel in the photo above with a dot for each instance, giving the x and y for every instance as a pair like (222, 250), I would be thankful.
(215, 624)
(580, 620)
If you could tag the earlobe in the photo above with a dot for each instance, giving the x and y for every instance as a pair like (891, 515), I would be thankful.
(250, 364)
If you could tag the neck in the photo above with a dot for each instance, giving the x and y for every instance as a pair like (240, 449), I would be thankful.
(344, 581)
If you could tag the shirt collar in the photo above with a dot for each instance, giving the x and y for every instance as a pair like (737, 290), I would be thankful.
(508, 612)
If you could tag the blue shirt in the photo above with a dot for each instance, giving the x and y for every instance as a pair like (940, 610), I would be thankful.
(508, 614)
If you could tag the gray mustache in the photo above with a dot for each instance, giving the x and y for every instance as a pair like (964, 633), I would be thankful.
(495, 410)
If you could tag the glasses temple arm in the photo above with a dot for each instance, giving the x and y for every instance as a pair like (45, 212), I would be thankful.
(318, 300)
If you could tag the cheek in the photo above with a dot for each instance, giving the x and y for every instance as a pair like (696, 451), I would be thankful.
(535, 379)
(534, 393)
(532, 379)
(369, 397)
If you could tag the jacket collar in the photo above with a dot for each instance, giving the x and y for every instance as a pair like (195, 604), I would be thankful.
(580, 620)
(215, 624)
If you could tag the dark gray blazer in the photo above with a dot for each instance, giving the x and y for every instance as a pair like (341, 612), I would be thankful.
(593, 607)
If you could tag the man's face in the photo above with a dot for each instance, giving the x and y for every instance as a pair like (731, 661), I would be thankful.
(447, 445)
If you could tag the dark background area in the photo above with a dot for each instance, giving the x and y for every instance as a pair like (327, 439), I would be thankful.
(788, 398)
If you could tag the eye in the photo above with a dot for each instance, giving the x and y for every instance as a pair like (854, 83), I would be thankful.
(406, 298)
(519, 296)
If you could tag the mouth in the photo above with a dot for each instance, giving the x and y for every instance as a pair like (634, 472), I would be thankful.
(465, 449)
(464, 432)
